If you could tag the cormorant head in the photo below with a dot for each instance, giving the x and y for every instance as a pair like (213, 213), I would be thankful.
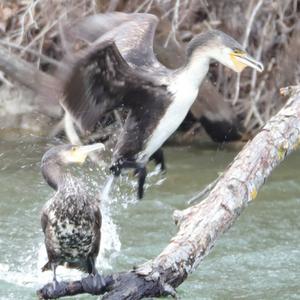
(223, 48)
(66, 154)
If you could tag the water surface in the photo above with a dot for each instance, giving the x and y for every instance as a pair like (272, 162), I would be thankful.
(258, 258)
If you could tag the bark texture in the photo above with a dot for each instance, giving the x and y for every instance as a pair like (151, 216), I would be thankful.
(202, 224)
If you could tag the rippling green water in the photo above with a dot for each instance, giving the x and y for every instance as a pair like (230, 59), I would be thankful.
(259, 258)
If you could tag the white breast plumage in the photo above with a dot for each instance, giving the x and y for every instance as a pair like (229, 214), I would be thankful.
(184, 96)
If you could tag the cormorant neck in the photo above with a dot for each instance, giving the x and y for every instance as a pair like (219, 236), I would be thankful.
(53, 174)
(196, 68)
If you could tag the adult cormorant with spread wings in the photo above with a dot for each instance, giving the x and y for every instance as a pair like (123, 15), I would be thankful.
(120, 69)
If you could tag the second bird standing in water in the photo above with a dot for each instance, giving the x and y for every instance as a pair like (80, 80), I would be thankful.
(71, 219)
(121, 70)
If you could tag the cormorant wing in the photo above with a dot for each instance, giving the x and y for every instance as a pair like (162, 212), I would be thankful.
(97, 230)
(44, 221)
(102, 81)
(133, 34)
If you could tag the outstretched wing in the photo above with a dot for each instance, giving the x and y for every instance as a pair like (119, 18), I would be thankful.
(97, 230)
(133, 34)
(102, 81)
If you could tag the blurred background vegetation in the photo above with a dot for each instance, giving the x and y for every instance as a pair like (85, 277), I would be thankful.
(269, 29)
(259, 257)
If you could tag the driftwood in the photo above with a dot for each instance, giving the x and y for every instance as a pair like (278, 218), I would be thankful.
(202, 224)
(45, 86)
(26, 74)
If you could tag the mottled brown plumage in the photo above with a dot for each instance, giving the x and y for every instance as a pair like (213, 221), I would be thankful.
(71, 219)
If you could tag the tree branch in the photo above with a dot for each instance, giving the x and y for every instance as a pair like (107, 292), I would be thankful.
(26, 74)
(202, 224)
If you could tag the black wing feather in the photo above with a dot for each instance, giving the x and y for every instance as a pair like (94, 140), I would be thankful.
(99, 83)
(97, 232)
(44, 221)
(133, 34)
(95, 86)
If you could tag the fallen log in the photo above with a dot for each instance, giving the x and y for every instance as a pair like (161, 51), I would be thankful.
(202, 224)
(25, 73)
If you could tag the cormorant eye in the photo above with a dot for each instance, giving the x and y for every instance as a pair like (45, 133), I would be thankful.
(237, 51)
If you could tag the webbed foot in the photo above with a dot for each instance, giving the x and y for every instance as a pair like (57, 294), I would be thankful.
(57, 288)
(93, 284)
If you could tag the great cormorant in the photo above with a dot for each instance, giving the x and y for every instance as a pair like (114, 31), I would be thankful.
(120, 70)
(71, 219)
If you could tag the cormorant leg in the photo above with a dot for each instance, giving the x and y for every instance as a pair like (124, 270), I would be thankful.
(159, 159)
(55, 282)
(94, 281)
(116, 168)
(138, 169)
(142, 173)
(58, 287)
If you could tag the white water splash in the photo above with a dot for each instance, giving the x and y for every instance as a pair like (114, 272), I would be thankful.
(110, 241)
(28, 274)
(28, 271)
(107, 188)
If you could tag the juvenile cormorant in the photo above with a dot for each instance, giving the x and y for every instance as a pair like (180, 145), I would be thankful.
(71, 219)
(121, 70)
